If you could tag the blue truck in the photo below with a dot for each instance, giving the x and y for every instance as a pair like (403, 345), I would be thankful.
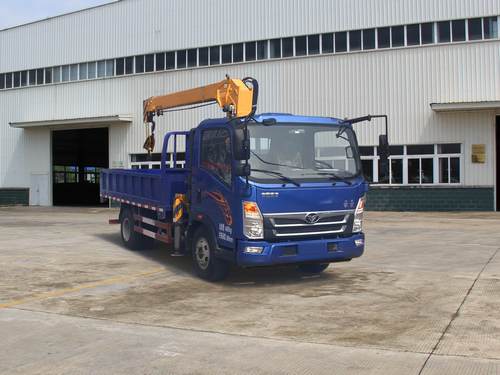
(257, 190)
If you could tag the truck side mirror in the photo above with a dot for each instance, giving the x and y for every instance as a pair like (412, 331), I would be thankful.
(242, 170)
(241, 144)
(383, 152)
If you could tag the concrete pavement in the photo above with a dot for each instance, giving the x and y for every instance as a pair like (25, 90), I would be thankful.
(423, 299)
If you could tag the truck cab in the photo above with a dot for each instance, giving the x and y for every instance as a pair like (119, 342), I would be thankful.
(297, 198)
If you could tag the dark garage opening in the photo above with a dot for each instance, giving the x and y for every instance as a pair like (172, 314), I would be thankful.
(77, 159)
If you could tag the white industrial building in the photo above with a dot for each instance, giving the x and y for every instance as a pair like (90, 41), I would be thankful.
(72, 86)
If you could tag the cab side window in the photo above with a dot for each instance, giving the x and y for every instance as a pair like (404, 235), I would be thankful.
(216, 154)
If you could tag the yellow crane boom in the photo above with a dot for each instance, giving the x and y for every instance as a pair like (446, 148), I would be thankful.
(235, 96)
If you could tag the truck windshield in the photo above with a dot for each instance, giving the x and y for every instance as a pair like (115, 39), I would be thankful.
(302, 152)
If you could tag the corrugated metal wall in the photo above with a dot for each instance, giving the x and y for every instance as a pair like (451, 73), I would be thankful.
(401, 83)
(131, 27)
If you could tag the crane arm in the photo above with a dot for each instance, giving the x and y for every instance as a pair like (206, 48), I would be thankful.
(234, 96)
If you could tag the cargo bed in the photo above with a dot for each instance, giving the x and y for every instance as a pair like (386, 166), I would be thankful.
(152, 189)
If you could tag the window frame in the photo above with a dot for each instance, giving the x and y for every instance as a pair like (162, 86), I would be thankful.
(436, 156)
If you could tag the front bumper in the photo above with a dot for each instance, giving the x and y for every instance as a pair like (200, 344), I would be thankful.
(301, 251)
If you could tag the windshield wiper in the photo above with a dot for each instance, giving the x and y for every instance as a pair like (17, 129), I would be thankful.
(333, 176)
(280, 175)
(276, 164)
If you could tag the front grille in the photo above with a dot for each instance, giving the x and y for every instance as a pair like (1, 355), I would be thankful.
(299, 224)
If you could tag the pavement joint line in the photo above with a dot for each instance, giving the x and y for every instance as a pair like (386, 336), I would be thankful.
(455, 315)
(91, 285)
(194, 330)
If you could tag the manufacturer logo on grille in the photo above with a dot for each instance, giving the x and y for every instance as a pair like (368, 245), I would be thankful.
(312, 218)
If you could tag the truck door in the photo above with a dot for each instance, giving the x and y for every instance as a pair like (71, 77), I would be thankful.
(213, 196)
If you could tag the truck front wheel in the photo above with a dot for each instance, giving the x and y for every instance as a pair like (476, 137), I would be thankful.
(313, 268)
(206, 265)
(132, 239)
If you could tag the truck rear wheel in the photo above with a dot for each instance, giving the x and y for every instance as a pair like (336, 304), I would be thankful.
(132, 239)
(206, 265)
(313, 268)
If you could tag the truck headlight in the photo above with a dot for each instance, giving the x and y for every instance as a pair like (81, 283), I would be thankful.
(253, 223)
(358, 215)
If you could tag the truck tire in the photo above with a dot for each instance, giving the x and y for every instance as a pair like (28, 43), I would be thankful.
(313, 268)
(132, 239)
(206, 265)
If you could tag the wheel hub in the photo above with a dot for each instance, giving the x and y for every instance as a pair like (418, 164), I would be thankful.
(202, 253)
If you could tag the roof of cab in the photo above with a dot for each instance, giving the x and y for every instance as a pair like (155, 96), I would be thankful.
(283, 117)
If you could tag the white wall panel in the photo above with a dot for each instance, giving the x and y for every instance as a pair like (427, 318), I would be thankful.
(401, 83)
(132, 27)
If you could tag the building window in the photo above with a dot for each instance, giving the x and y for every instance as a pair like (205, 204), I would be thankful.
(56, 72)
(73, 72)
(2, 81)
(8, 80)
(203, 56)
(129, 65)
(275, 48)
(287, 45)
(92, 70)
(139, 65)
(427, 33)
(39, 77)
(415, 164)
(66, 174)
(84, 71)
(101, 68)
(214, 55)
(490, 27)
(301, 46)
(48, 76)
(458, 30)
(313, 44)
(413, 35)
(444, 32)
(150, 63)
(120, 67)
(110, 68)
(181, 59)
(159, 62)
(237, 52)
(192, 57)
(398, 36)
(327, 43)
(369, 39)
(250, 51)
(475, 28)
(367, 162)
(384, 37)
(17, 79)
(227, 54)
(341, 42)
(65, 73)
(420, 149)
(24, 78)
(31, 78)
(91, 175)
(170, 60)
(355, 40)
(262, 49)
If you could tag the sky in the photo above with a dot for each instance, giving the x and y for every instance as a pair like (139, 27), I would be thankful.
(17, 12)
